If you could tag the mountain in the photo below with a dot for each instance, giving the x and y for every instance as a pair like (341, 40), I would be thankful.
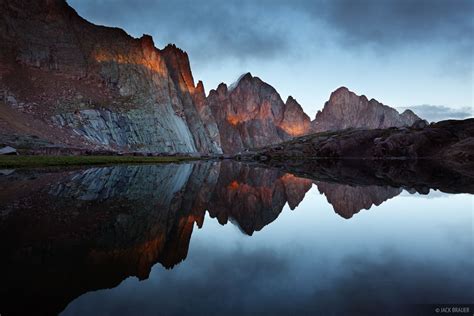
(97, 86)
(250, 113)
(345, 109)
(69, 84)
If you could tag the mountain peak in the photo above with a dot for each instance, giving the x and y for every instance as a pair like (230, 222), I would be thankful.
(200, 87)
(244, 77)
(290, 99)
(147, 40)
(408, 112)
(345, 109)
(409, 115)
(174, 48)
(222, 88)
(341, 89)
(252, 114)
(295, 121)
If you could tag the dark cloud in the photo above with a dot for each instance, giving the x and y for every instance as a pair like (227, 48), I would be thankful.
(391, 23)
(266, 29)
(434, 113)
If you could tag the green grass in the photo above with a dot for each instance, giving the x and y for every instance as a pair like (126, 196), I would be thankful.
(49, 161)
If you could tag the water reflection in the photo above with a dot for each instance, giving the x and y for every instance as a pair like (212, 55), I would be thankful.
(67, 232)
(348, 200)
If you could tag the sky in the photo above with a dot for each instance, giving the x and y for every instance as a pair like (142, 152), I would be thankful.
(414, 54)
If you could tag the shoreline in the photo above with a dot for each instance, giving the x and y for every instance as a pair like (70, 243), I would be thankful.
(14, 161)
(39, 161)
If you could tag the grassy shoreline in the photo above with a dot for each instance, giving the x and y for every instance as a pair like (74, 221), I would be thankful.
(58, 161)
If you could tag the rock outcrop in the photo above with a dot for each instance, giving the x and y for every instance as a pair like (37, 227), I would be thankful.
(439, 156)
(345, 109)
(250, 113)
(449, 140)
(112, 90)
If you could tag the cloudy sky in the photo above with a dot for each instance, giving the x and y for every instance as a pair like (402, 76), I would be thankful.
(403, 53)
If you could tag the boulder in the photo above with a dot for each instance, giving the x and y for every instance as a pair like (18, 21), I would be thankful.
(8, 151)
(420, 124)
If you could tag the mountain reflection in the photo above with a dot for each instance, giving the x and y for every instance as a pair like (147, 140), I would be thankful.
(254, 197)
(64, 233)
(348, 200)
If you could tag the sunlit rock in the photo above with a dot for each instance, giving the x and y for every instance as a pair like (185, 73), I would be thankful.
(345, 109)
(250, 113)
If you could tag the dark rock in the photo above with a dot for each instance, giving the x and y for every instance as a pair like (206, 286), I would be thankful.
(420, 124)
(446, 140)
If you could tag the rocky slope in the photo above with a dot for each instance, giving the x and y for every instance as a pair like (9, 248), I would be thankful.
(345, 109)
(98, 86)
(250, 113)
(449, 140)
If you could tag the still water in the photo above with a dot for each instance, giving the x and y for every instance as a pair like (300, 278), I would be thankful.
(224, 238)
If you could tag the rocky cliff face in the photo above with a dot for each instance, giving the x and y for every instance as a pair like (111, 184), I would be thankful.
(250, 113)
(345, 109)
(198, 115)
(112, 90)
